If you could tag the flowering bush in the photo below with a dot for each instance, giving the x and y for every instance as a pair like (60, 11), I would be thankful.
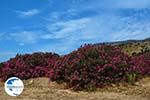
(90, 65)
(27, 66)
(141, 64)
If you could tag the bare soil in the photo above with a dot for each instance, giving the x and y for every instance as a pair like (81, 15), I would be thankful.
(43, 89)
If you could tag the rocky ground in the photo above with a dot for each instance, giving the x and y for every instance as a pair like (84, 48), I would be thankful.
(42, 89)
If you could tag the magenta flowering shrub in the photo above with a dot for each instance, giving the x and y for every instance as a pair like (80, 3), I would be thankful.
(27, 66)
(141, 64)
(92, 66)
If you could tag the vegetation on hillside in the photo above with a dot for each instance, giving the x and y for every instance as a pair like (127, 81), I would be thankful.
(91, 66)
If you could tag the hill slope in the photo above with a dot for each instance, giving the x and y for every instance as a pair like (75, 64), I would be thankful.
(41, 89)
(131, 46)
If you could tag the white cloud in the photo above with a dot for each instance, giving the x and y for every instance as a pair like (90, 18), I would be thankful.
(73, 27)
(29, 37)
(112, 4)
(21, 44)
(75, 32)
(25, 36)
(56, 16)
(28, 13)
(46, 36)
(100, 28)
(63, 46)
(64, 29)
(134, 30)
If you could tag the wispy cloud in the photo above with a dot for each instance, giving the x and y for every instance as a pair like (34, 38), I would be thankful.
(28, 37)
(134, 30)
(114, 4)
(28, 13)
(64, 29)
(73, 29)
(63, 46)
(100, 28)
(24, 36)
(56, 16)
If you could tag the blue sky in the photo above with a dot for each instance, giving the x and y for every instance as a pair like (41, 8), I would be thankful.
(61, 26)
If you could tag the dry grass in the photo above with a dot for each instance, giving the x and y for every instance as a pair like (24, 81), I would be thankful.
(42, 89)
(130, 48)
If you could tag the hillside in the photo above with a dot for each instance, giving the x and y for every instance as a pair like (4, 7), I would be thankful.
(131, 46)
(107, 71)
(42, 89)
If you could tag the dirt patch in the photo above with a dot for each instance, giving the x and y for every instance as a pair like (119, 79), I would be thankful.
(43, 89)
